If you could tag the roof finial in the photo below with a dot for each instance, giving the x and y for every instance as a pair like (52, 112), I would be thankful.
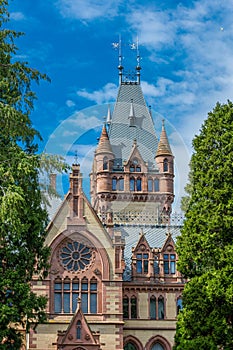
(109, 117)
(138, 68)
(75, 157)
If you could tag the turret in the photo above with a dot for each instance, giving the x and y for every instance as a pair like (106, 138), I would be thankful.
(165, 162)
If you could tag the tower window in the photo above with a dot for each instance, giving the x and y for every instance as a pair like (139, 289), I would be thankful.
(138, 169)
(132, 168)
(169, 263)
(139, 184)
(165, 165)
(105, 163)
(156, 185)
(121, 184)
(114, 184)
(150, 185)
(132, 184)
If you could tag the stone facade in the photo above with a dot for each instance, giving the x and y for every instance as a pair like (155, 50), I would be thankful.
(113, 282)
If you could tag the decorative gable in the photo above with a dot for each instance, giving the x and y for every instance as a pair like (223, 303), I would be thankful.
(142, 259)
(78, 336)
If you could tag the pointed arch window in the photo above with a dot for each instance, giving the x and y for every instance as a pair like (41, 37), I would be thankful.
(165, 165)
(161, 308)
(130, 346)
(126, 307)
(79, 327)
(138, 169)
(132, 168)
(157, 346)
(152, 308)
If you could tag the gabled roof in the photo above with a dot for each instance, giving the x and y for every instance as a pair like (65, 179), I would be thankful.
(121, 134)
(68, 339)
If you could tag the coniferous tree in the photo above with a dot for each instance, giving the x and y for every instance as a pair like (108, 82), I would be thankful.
(22, 218)
(205, 247)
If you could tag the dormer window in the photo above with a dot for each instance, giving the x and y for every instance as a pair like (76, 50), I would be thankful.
(165, 165)
(169, 263)
(132, 168)
(138, 169)
(142, 263)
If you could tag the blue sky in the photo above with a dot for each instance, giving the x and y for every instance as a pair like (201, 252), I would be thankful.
(186, 58)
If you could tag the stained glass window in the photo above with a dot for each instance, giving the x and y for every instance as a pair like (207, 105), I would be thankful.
(75, 256)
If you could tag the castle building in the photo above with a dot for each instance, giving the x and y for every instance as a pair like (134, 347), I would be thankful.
(113, 282)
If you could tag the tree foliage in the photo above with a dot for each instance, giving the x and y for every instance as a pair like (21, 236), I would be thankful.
(22, 218)
(205, 247)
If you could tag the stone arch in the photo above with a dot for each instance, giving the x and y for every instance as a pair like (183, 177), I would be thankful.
(134, 340)
(158, 339)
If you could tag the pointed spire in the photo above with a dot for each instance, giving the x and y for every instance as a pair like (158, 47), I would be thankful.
(131, 115)
(163, 146)
(104, 143)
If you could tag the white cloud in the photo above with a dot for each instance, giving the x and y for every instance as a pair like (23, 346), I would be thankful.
(17, 16)
(88, 9)
(70, 103)
(106, 94)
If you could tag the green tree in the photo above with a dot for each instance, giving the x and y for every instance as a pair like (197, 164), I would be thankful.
(22, 218)
(205, 247)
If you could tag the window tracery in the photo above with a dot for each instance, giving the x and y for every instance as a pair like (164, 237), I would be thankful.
(75, 256)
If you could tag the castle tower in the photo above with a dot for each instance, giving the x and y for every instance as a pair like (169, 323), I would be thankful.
(128, 181)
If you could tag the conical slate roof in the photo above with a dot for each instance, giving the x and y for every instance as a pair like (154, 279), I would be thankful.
(123, 131)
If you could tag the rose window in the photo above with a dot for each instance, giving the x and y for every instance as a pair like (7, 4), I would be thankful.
(75, 256)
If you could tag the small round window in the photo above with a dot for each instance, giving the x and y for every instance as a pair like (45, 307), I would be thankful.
(75, 256)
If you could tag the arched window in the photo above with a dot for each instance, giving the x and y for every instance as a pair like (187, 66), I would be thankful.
(179, 305)
(105, 163)
(121, 184)
(138, 169)
(157, 346)
(132, 184)
(139, 184)
(114, 184)
(153, 308)
(165, 165)
(161, 308)
(156, 185)
(132, 168)
(150, 185)
(78, 333)
(130, 346)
